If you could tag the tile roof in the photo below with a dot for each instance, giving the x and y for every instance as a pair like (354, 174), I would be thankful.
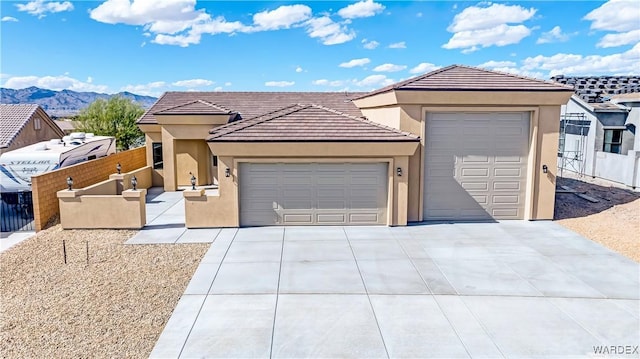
(309, 123)
(252, 104)
(14, 117)
(467, 78)
(598, 89)
(198, 107)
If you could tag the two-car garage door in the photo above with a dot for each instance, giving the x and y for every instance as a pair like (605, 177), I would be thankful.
(475, 166)
(312, 193)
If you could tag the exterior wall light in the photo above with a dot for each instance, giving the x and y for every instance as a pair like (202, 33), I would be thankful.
(118, 167)
(227, 172)
(399, 171)
(193, 181)
(134, 182)
(545, 169)
(69, 182)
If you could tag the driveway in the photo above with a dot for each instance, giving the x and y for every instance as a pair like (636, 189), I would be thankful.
(510, 289)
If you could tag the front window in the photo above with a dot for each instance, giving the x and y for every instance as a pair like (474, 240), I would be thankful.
(612, 141)
(157, 155)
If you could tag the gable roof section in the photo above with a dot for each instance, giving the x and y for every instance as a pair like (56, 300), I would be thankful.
(308, 123)
(467, 78)
(198, 107)
(14, 117)
(252, 104)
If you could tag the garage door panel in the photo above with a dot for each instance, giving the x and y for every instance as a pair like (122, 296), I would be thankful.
(486, 160)
(313, 193)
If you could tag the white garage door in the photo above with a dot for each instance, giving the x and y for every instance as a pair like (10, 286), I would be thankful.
(312, 193)
(475, 166)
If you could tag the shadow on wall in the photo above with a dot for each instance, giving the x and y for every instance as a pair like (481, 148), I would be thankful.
(568, 205)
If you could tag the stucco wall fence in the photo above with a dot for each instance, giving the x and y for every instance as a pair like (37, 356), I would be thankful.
(45, 186)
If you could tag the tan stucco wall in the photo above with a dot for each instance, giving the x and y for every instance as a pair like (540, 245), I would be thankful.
(193, 156)
(29, 135)
(412, 106)
(44, 186)
(80, 210)
(223, 210)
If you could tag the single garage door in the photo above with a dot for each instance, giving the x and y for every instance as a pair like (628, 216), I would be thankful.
(312, 193)
(475, 166)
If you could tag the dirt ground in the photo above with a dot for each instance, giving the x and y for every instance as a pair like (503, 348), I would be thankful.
(125, 292)
(613, 222)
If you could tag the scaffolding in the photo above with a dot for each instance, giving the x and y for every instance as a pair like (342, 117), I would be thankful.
(572, 158)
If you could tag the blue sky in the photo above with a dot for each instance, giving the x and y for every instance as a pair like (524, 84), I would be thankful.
(152, 46)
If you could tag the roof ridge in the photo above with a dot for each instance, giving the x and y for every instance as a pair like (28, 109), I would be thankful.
(516, 76)
(364, 119)
(240, 125)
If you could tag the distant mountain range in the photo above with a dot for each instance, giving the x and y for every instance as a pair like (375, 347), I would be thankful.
(63, 103)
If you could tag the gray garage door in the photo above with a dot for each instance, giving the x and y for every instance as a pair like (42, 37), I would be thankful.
(312, 193)
(476, 165)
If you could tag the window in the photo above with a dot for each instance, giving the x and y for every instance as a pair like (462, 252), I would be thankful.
(37, 124)
(215, 161)
(157, 155)
(612, 141)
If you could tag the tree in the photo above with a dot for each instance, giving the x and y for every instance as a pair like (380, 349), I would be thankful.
(115, 117)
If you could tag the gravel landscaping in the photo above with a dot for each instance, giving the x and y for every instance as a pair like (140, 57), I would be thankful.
(613, 221)
(116, 305)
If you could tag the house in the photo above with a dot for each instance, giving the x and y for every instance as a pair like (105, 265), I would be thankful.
(22, 125)
(458, 143)
(598, 128)
(67, 126)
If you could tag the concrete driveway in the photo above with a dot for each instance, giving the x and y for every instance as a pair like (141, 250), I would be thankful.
(511, 289)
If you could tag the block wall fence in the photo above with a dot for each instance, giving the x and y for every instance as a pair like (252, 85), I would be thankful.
(45, 186)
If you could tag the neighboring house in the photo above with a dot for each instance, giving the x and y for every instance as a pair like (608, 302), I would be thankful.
(67, 126)
(458, 143)
(598, 128)
(22, 125)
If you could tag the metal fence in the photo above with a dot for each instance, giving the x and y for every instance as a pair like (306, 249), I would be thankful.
(16, 212)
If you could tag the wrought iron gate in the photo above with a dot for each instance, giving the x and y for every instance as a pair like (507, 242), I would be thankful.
(16, 212)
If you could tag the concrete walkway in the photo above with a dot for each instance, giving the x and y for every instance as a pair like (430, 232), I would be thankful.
(513, 289)
(10, 239)
(166, 222)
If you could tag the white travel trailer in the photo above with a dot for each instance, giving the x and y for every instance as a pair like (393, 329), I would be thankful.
(17, 166)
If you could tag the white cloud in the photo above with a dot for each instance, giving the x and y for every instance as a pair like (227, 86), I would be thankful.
(615, 15)
(299, 69)
(554, 35)
(484, 26)
(193, 83)
(625, 63)
(370, 45)
(149, 89)
(398, 45)
(366, 8)
(325, 82)
(419, 14)
(494, 64)
(218, 89)
(389, 68)
(328, 31)
(281, 18)
(53, 83)
(227, 84)
(424, 68)
(619, 39)
(40, 8)
(279, 83)
(374, 81)
(500, 35)
(9, 19)
(355, 62)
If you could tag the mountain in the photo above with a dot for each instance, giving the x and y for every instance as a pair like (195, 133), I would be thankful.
(65, 102)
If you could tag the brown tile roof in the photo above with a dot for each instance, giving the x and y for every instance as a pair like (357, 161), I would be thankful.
(467, 78)
(14, 117)
(252, 104)
(198, 107)
(309, 123)
(598, 89)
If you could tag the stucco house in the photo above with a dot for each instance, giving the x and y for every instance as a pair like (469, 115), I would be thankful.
(458, 143)
(598, 128)
(25, 124)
